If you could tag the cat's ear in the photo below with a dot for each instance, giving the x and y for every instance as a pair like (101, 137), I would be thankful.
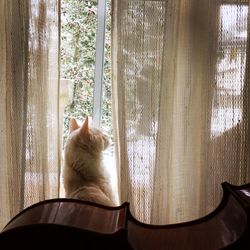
(73, 125)
(84, 130)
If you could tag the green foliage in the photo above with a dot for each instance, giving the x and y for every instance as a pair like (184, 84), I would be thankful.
(78, 46)
(107, 104)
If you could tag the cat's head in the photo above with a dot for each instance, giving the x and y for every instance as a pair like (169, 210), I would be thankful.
(86, 137)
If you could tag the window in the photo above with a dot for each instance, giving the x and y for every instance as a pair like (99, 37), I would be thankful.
(227, 101)
(86, 67)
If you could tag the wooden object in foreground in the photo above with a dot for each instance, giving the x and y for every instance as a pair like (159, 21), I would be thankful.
(69, 223)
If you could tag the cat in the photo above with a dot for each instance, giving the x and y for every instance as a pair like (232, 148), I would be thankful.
(84, 175)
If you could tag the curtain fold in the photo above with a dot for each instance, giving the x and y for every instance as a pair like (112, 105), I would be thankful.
(228, 147)
(185, 103)
(29, 134)
(179, 90)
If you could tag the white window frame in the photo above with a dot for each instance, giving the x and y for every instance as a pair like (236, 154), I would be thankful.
(99, 63)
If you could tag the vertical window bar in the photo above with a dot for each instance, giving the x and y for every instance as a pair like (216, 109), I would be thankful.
(99, 63)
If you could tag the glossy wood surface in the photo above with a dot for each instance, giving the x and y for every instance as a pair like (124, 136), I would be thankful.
(68, 223)
(73, 213)
(215, 231)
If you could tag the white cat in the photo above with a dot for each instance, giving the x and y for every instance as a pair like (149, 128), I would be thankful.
(84, 174)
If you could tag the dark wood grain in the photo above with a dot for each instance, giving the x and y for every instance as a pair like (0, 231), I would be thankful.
(69, 223)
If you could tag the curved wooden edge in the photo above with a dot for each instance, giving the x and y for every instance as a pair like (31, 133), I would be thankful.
(244, 241)
(241, 198)
(66, 200)
(232, 195)
(237, 187)
(228, 189)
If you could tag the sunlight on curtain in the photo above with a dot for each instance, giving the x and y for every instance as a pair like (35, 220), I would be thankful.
(178, 99)
(29, 139)
(228, 155)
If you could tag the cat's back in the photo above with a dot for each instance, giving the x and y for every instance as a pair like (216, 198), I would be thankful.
(92, 193)
(85, 177)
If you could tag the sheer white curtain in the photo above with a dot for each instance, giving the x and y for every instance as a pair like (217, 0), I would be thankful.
(29, 135)
(180, 97)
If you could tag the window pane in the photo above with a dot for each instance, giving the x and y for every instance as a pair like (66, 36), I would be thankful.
(78, 46)
(228, 99)
(78, 53)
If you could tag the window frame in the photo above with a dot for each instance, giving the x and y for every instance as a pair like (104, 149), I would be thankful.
(99, 63)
